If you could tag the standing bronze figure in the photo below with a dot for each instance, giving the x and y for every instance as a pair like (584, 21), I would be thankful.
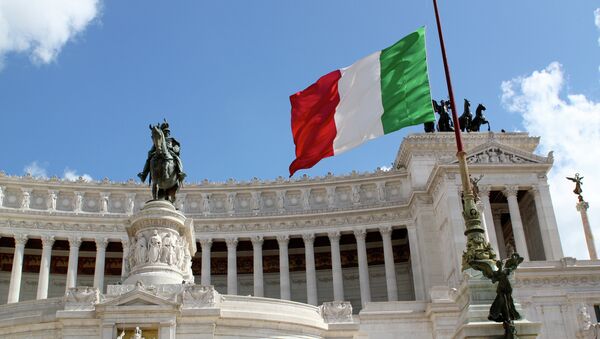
(503, 308)
(163, 164)
(578, 182)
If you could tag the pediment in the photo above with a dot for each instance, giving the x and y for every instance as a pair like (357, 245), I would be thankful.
(494, 153)
(139, 298)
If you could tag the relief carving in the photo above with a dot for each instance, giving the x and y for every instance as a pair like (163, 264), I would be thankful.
(336, 312)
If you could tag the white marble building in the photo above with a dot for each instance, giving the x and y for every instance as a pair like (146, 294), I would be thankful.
(279, 252)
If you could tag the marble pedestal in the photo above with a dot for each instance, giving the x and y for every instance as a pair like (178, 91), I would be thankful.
(161, 246)
(475, 297)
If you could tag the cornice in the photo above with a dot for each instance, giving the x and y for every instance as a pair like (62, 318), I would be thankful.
(445, 142)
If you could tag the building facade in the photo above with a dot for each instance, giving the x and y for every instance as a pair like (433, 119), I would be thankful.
(287, 258)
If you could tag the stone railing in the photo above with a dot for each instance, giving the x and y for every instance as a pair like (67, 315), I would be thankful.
(230, 199)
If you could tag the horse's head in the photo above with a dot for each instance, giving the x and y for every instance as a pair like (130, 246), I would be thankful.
(467, 103)
(158, 138)
(481, 107)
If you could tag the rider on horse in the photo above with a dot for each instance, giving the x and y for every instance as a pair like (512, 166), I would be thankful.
(174, 148)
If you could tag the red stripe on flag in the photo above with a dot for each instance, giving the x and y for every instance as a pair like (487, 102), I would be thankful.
(313, 126)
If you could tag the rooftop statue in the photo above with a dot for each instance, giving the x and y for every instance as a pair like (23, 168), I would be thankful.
(578, 182)
(466, 118)
(479, 119)
(445, 122)
(163, 164)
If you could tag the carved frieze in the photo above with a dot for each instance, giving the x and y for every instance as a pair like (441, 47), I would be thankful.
(81, 298)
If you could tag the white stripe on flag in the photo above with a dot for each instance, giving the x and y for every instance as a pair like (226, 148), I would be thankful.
(358, 115)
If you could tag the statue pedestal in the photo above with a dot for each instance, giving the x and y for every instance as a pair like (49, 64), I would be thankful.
(474, 298)
(161, 246)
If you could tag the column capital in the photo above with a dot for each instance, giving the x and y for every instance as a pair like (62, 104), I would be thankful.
(47, 241)
(74, 241)
(104, 195)
(101, 243)
(334, 236)
(511, 191)
(385, 230)
(484, 191)
(257, 240)
(360, 233)
(20, 239)
(283, 239)
(308, 238)
(125, 243)
(205, 242)
(582, 206)
(231, 242)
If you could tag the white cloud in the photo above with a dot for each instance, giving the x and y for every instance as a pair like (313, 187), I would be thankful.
(72, 175)
(385, 168)
(569, 126)
(35, 170)
(40, 28)
(597, 19)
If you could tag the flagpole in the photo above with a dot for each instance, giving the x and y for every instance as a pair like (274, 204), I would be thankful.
(478, 249)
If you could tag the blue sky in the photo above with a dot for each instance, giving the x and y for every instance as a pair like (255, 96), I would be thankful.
(80, 81)
(221, 72)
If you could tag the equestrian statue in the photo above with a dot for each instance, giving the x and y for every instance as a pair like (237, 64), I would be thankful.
(163, 164)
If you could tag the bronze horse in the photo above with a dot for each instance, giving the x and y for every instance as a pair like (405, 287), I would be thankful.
(163, 176)
(466, 118)
(479, 119)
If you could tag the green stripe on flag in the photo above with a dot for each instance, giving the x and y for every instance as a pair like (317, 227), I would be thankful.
(405, 84)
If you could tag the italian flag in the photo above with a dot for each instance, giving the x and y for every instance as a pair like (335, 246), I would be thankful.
(377, 95)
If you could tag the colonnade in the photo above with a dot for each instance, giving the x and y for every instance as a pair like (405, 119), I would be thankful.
(546, 221)
(310, 269)
(232, 281)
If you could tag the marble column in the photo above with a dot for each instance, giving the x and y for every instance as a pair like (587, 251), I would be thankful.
(311, 272)
(43, 279)
(125, 263)
(415, 262)
(14, 288)
(336, 266)
(284, 267)
(100, 261)
(488, 218)
(543, 225)
(390, 267)
(259, 288)
(363, 266)
(582, 207)
(497, 217)
(515, 218)
(74, 243)
(552, 227)
(232, 265)
(205, 244)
